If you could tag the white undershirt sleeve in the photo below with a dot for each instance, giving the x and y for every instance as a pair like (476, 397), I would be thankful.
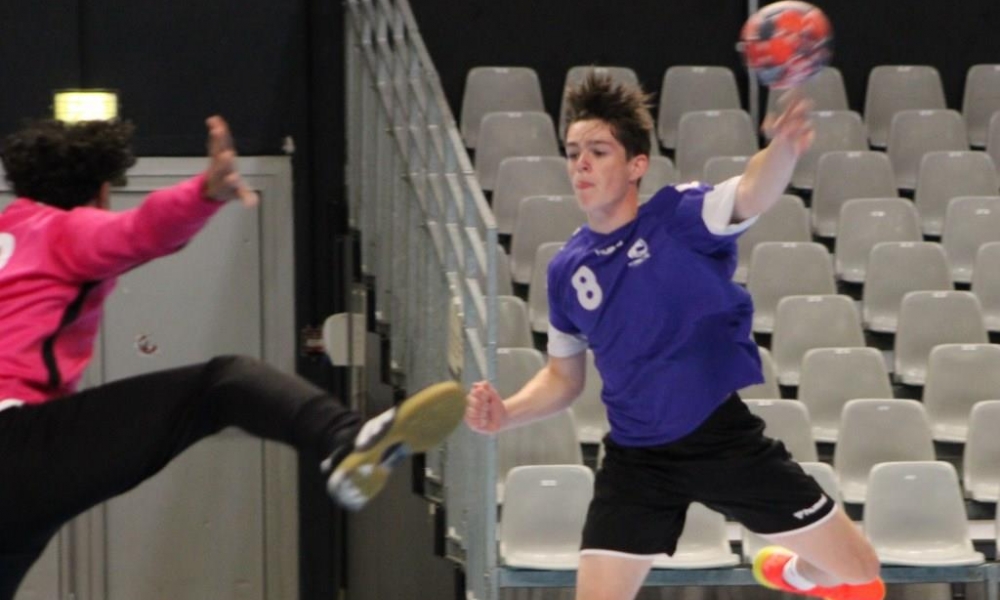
(562, 344)
(717, 209)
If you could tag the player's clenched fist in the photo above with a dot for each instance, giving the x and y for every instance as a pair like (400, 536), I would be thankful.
(485, 411)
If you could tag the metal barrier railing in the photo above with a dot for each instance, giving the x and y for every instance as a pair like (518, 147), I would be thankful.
(430, 241)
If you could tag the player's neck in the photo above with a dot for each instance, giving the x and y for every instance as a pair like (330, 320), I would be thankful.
(615, 215)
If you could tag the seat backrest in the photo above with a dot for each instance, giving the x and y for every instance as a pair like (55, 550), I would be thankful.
(873, 431)
(959, 376)
(521, 176)
(551, 441)
(981, 458)
(543, 515)
(768, 389)
(845, 175)
(921, 327)
(497, 89)
(786, 221)
(892, 88)
(538, 289)
(769, 276)
(702, 135)
(505, 285)
(894, 269)
(704, 542)
(865, 222)
(720, 168)
(914, 133)
(986, 283)
(826, 90)
(945, 175)
(802, 323)
(788, 422)
(506, 134)
(840, 130)
(993, 139)
(933, 531)
(515, 366)
(589, 413)
(693, 88)
(833, 376)
(969, 222)
(576, 75)
(661, 172)
(980, 100)
(541, 219)
(513, 324)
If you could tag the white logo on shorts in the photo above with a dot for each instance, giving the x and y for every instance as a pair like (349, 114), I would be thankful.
(805, 512)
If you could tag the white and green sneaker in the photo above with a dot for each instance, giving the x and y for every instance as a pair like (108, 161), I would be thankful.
(358, 472)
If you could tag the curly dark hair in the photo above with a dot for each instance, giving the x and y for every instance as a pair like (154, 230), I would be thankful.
(65, 164)
(625, 108)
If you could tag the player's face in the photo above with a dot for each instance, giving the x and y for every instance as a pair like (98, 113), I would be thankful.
(601, 173)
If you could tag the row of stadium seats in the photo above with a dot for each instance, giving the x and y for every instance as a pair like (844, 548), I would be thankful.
(959, 377)
(969, 256)
(925, 320)
(862, 178)
(688, 88)
(877, 430)
(704, 135)
(541, 521)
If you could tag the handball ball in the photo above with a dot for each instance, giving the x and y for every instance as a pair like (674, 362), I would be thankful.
(786, 43)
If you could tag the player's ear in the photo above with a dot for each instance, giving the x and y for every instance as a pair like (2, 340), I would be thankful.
(637, 166)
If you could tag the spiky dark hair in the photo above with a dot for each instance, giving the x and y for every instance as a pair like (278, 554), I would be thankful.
(625, 108)
(65, 164)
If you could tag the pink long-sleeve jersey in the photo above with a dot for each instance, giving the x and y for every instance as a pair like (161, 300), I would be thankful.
(58, 266)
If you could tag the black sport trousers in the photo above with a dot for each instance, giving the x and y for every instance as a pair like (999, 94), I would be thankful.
(60, 458)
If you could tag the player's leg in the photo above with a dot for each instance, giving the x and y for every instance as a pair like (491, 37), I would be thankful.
(73, 453)
(754, 480)
(16, 558)
(831, 559)
(636, 513)
(611, 577)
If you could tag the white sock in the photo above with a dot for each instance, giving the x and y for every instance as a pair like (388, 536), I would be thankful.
(794, 578)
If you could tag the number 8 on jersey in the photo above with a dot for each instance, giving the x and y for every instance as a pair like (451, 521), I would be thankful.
(588, 291)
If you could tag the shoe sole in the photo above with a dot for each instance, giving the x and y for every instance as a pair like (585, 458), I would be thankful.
(421, 422)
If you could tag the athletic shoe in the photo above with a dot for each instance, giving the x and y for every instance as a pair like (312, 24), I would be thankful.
(769, 571)
(358, 471)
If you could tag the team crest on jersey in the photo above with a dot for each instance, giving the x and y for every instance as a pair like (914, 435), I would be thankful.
(638, 253)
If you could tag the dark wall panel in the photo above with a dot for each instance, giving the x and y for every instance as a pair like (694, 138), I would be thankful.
(551, 36)
(39, 44)
(177, 62)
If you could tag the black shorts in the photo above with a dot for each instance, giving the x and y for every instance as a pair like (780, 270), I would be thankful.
(641, 495)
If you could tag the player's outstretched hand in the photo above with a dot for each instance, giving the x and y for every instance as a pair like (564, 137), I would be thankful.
(792, 124)
(222, 179)
(485, 411)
